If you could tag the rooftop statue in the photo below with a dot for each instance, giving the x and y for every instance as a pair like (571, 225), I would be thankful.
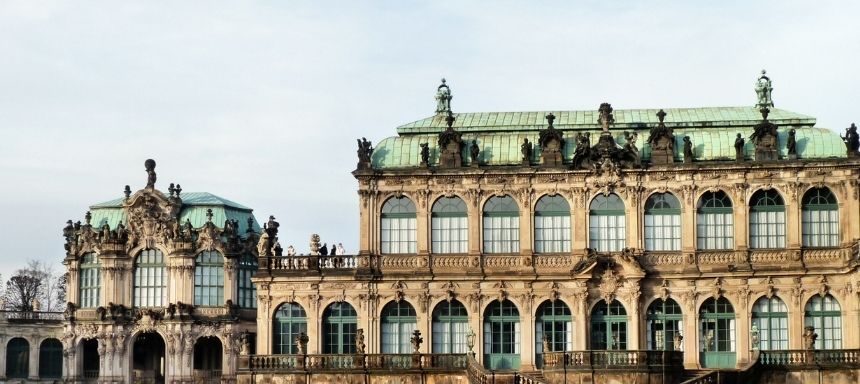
(365, 152)
(662, 141)
(425, 153)
(551, 143)
(450, 145)
(739, 147)
(606, 117)
(474, 151)
(526, 150)
(763, 89)
(764, 137)
(688, 150)
(149, 164)
(443, 98)
(582, 153)
(852, 140)
(792, 144)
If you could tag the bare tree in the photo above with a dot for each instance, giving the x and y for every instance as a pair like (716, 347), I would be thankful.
(37, 283)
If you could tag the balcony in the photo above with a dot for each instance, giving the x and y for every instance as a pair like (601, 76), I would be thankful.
(614, 360)
(31, 317)
(810, 359)
(353, 363)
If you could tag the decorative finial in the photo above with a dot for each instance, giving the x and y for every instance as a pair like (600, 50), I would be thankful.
(550, 118)
(443, 98)
(149, 164)
(765, 111)
(209, 215)
(250, 225)
(178, 190)
(661, 114)
(450, 119)
(764, 90)
(127, 192)
(171, 189)
(87, 217)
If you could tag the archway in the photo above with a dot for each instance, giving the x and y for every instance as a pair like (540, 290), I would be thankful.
(90, 359)
(17, 358)
(208, 356)
(148, 359)
(51, 359)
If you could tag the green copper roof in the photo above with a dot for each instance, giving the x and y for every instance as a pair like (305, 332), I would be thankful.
(194, 206)
(625, 119)
(503, 148)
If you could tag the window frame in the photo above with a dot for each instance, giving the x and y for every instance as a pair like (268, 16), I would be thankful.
(209, 265)
(89, 281)
(449, 226)
(721, 218)
(599, 230)
(152, 270)
(654, 233)
(398, 228)
(552, 224)
(500, 225)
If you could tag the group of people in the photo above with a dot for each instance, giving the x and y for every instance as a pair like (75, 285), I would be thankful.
(323, 251)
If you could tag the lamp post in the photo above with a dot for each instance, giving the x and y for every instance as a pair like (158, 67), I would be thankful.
(470, 341)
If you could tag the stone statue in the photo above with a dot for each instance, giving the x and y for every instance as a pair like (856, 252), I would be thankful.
(688, 150)
(764, 138)
(315, 244)
(443, 98)
(302, 344)
(792, 144)
(547, 343)
(676, 341)
(852, 140)
(149, 164)
(425, 153)
(630, 146)
(709, 340)
(416, 341)
(474, 151)
(290, 250)
(605, 118)
(809, 337)
(359, 341)
(526, 150)
(365, 152)
(763, 89)
(739, 148)
(754, 337)
(245, 343)
(582, 153)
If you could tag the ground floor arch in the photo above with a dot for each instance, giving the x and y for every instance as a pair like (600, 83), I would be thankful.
(208, 360)
(148, 359)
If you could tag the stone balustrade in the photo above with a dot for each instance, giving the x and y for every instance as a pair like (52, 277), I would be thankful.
(634, 360)
(801, 358)
(31, 316)
(330, 363)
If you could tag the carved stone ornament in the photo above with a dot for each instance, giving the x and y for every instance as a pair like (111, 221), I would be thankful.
(609, 284)
(551, 142)
(770, 291)
(554, 293)
(823, 288)
(662, 141)
(717, 288)
(764, 137)
(398, 287)
(152, 219)
(664, 290)
(502, 286)
(450, 146)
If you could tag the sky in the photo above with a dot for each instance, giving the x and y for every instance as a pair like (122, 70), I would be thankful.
(261, 102)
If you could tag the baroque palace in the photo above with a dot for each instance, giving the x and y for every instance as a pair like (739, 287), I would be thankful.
(694, 245)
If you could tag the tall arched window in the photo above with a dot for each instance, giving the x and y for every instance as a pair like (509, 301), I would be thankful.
(450, 327)
(767, 220)
(715, 222)
(17, 358)
(247, 292)
(825, 315)
(209, 279)
(554, 322)
(663, 321)
(51, 359)
(717, 326)
(399, 225)
(90, 281)
(398, 321)
(552, 225)
(450, 225)
(289, 321)
(502, 335)
(820, 218)
(340, 322)
(501, 225)
(608, 326)
(770, 319)
(150, 282)
(607, 225)
(662, 223)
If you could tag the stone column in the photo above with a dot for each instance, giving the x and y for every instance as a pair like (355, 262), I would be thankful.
(795, 323)
(634, 211)
(422, 215)
(264, 324)
(3, 340)
(741, 221)
(690, 332)
(475, 215)
(744, 326)
(72, 289)
(527, 339)
(526, 224)
(34, 358)
(792, 219)
(688, 226)
(635, 333)
(364, 222)
(230, 292)
(579, 220)
(580, 321)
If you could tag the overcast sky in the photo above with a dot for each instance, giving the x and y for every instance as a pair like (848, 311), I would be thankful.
(261, 102)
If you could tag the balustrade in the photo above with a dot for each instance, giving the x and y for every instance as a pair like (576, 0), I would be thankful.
(387, 362)
(800, 357)
(312, 262)
(612, 359)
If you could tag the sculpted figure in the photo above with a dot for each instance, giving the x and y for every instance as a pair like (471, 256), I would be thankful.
(688, 150)
(149, 164)
(739, 147)
(359, 341)
(474, 151)
(764, 89)
(852, 140)
(526, 150)
(425, 153)
(792, 143)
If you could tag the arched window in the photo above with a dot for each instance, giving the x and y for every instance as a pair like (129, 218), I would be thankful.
(51, 359)
(824, 314)
(767, 220)
(552, 225)
(715, 222)
(501, 225)
(209, 279)
(502, 335)
(340, 322)
(662, 223)
(90, 281)
(290, 320)
(555, 323)
(450, 225)
(398, 321)
(717, 320)
(450, 327)
(247, 292)
(820, 217)
(150, 282)
(398, 226)
(770, 320)
(607, 225)
(663, 321)
(608, 326)
(17, 358)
